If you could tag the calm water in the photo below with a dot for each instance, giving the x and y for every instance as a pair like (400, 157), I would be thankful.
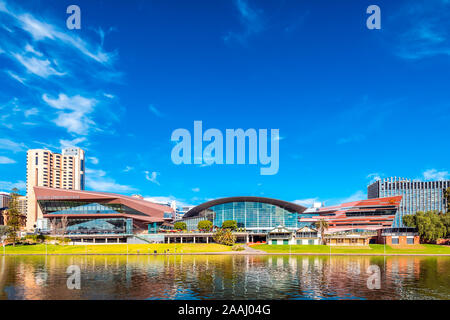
(224, 277)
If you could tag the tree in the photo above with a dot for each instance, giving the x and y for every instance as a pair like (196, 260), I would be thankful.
(63, 226)
(229, 224)
(13, 217)
(54, 227)
(322, 225)
(204, 225)
(4, 231)
(180, 225)
(430, 225)
(224, 236)
(445, 218)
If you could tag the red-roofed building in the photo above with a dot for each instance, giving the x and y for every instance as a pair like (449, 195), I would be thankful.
(101, 215)
(358, 216)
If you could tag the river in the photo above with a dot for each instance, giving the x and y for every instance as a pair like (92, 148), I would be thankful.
(224, 277)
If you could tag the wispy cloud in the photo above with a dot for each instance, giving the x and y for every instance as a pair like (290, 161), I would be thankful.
(7, 144)
(127, 169)
(6, 160)
(433, 174)
(306, 202)
(93, 160)
(422, 29)
(167, 199)
(97, 180)
(374, 176)
(350, 139)
(31, 112)
(152, 177)
(71, 143)
(75, 112)
(7, 186)
(16, 77)
(196, 189)
(40, 67)
(42, 31)
(251, 20)
(155, 111)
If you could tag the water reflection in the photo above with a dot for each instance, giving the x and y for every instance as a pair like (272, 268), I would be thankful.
(224, 277)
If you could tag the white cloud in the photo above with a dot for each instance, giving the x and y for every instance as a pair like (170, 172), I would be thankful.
(6, 160)
(16, 77)
(42, 31)
(433, 174)
(71, 143)
(93, 160)
(128, 168)
(31, 112)
(97, 181)
(354, 138)
(8, 186)
(7, 144)
(39, 67)
(196, 189)
(155, 111)
(30, 48)
(374, 177)
(77, 120)
(306, 202)
(251, 20)
(167, 199)
(152, 176)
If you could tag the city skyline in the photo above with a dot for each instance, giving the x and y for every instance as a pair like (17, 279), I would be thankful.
(120, 86)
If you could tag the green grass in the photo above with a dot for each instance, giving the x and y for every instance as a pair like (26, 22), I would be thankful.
(116, 248)
(371, 249)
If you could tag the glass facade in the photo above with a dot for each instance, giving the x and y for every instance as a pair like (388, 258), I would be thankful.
(61, 206)
(254, 217)
(416, 195)
(112, 226)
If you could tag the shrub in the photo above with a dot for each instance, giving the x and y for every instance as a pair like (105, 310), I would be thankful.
(204, 225)
(237, 248)
(229, 224)
(224, 236)
(180, 225)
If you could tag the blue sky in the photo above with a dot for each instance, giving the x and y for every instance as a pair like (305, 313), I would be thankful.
(351, 104)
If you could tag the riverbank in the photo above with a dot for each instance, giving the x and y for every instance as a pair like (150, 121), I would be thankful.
(178, 248)
(217, 249)
(373, 249)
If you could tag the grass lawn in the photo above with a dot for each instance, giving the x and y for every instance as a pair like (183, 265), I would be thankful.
(373, 248)
(116, 248)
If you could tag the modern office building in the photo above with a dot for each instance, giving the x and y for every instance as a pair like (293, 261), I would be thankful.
(416, 195)
(358, 216)
(255, 215)
(100, 216)
(181, 211)
(52, 170)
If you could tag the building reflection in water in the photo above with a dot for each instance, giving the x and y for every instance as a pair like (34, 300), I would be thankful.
(224, 277)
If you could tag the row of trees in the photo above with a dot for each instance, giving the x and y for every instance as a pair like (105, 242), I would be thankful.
(206, 225)
(430, 225)
(222, 235)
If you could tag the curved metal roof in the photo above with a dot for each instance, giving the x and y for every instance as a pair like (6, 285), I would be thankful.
(289, 206)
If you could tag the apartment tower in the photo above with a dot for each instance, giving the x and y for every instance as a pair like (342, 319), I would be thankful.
(53, 170)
